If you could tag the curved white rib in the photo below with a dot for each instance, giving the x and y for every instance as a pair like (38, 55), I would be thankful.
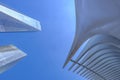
(100, 48)
(96, 40)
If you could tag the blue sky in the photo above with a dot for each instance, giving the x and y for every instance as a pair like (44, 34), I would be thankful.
(48, 49)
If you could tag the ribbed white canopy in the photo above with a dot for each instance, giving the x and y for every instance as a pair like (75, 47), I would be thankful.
(98, 37)
(95, 17)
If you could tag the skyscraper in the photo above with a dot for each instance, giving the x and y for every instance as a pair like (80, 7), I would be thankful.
(12, 21)
(9, 55)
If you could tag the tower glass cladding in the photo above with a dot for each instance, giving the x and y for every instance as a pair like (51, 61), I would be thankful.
(9, 55)
(12, 21)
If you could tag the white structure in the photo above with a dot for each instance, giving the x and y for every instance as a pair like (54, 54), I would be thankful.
(98, 39)
(12, 21)
(9, 55)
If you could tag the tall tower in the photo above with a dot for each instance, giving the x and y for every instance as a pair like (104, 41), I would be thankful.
(9, 55)
(12, 21)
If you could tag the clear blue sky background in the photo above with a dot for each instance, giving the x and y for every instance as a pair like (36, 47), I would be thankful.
(48, 49)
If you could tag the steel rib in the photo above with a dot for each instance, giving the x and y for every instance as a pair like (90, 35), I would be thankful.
(102, 67)
(95, 60)
(101, 59)
(102, 46)
(89, 70)
(95, 70)
(96, 41)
